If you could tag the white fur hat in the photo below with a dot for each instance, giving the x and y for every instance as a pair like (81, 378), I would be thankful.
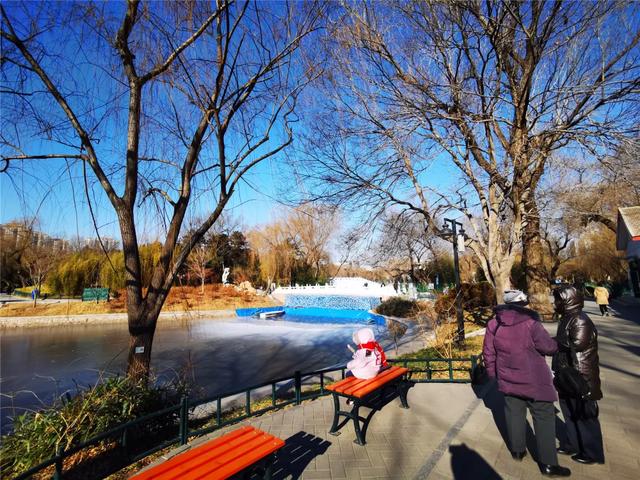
(363, 335)
(515, 296)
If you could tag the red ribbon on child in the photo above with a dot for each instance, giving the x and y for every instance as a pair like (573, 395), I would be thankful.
(375, 346)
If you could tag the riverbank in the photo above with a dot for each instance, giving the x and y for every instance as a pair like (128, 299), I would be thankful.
(108, 318)
(183, 303)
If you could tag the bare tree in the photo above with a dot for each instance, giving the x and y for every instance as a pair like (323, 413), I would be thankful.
(592, 192)
(197, 263)
(404, 247)
(311, 229)
(165, 104)
(489, 89)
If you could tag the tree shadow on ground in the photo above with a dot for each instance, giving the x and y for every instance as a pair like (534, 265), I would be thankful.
(494, 400)
(467, 464)
(299, 450)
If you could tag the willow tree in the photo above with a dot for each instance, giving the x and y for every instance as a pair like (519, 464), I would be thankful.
(486, 91)
(169, 104)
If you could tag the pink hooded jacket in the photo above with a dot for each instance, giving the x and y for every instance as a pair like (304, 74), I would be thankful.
(366, 362)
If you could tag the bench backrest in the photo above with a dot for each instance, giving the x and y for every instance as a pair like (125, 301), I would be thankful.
(357, 387)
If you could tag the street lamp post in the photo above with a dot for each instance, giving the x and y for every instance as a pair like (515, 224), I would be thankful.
(451, 230)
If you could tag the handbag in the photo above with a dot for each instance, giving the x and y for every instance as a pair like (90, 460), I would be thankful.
(581, 409)
(569, 382)
(479, 375)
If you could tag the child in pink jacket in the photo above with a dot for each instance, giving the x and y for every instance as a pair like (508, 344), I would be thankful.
(369, 358)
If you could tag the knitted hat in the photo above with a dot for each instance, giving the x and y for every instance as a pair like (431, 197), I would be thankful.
(364, 335)
(515, 296)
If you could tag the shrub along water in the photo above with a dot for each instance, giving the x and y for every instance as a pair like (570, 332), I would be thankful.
(397, 307)
(38, 435)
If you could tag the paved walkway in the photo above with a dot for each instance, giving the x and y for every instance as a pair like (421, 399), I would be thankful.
(451, 433)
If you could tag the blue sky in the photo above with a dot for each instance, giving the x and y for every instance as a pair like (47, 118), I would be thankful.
(54, 190)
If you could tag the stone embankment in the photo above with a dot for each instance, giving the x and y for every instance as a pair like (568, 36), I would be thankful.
(103, 318)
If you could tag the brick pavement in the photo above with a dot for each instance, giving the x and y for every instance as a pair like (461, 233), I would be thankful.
(450, 433)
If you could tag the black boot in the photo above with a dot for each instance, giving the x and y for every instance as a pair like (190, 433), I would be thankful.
(582, 458)
(565, 451)
(554, 471)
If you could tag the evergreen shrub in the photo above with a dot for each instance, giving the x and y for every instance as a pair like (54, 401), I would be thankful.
(397, 307)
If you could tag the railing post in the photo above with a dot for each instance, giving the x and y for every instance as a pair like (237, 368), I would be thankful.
(123, 440)
(183, 426)
(297, 376)
(450, 369)
(57, 475)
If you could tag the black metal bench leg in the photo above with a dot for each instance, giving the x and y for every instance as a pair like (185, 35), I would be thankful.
(356, 423)
(403, 388)
(365, 426)
(336, 415)
(268, 468)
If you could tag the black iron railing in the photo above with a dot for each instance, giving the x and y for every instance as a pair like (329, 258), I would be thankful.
(196, 417)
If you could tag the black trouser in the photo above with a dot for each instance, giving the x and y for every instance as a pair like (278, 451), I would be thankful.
(544, 424)
(603, 308)
(583, 434)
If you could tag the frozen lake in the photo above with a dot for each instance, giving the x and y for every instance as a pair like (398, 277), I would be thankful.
(38, 364)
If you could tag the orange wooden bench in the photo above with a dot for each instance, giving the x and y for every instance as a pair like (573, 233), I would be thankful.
(244, 449)
(374, 393)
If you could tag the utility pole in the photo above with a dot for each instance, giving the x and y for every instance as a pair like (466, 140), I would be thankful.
(451, 230)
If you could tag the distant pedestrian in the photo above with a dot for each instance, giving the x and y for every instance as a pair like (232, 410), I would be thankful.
(602, 298)
(514, 348)
(578, 341)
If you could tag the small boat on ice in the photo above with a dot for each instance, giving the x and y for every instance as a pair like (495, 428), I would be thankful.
(271, 314)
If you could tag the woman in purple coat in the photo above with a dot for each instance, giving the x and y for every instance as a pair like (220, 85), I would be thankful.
(514, 348)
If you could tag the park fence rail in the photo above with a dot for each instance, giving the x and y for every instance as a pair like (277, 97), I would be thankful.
(196, 417)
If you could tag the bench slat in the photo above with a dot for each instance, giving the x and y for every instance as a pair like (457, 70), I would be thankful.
(359, 388)
(232, 461)
(204, 464)
(376, 382)
(257, 453)
(218, 458)
(193, 453)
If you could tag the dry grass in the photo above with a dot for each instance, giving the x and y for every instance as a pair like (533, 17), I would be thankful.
(215, 297)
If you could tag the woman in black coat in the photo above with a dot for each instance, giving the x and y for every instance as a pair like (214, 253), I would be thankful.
(578, 342)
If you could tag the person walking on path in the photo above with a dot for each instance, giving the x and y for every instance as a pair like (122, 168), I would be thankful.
(602, 298)
(577, 338)
(514, 348)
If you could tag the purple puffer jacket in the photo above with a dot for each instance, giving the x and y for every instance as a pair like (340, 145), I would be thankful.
(515, 353)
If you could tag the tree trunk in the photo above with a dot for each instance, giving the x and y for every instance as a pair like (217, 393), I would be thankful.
(535, 271)
(502, 282)
(140, 343)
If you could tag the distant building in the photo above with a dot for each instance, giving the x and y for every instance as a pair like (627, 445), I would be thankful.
(628, 240)
(14, 234)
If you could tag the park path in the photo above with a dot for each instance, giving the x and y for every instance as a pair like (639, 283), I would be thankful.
(452, 432)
